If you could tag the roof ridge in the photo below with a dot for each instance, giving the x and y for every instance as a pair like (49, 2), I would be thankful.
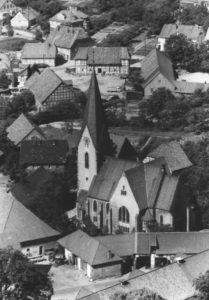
(5, 224)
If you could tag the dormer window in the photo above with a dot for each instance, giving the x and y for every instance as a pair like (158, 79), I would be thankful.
(86, 141)
(123, 191)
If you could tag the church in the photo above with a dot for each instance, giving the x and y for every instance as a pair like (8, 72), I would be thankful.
(119, 192)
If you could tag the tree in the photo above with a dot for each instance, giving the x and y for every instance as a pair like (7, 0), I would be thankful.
(38, 35)
(202, 286)
(136, 78)
(4, 81)
(143, 294)
(20, 279)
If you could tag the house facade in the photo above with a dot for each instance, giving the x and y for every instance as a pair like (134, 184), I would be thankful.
(49, 89)
(105, 60)
(8, 7)
(25, 18)
(121, 194)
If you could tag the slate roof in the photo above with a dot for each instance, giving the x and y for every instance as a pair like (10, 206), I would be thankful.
(66, 37)
(43, 152)
(124, 149)
(151, 185)
(43, 85)
(29, 13)
(78, 242)
(156, 63)
(38, 51)
(94, 119)
(102, 55)
(192, 32)
(21, 128)
(104, 184)
(173, 154)
(16, 218)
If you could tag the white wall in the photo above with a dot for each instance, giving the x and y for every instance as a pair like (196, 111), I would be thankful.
(161, 43)
(31, 61)
(85, 176)
(19, 21)
(117, 200)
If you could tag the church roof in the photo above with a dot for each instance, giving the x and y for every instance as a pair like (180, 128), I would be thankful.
(94, 118)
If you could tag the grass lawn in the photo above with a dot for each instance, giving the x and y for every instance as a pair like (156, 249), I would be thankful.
(13, 44)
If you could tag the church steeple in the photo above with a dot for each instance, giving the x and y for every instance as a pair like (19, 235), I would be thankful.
(95, 142)
(94, 120)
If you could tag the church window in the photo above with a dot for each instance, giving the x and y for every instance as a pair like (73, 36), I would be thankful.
(95, 206)
(161, 220)
(95, 219)
(86, 141)
(123, 191)
(123, 215)
(107, 208)
(86, 160)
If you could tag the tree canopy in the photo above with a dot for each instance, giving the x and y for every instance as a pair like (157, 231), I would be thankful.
(202, 286)
(143, 294)
(20, 278)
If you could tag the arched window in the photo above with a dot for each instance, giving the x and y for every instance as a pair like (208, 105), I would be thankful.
(123, 215)
(86, 160)
(107, 208)
(95, 206)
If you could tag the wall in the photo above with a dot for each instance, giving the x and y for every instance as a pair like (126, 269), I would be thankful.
(83, 68)
(161, 43)
(166, 215)
(34, 250)
(117, 200)
(156, 83)
(19, 21)
(106, 271)
(65, 52)
(85, 175)
(31, 61)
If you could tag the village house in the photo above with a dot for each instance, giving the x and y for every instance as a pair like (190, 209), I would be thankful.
(19, 224)
(50, 154)
(25, 18)
(7, 7)
(157, 72)
(49, 89)
(116, 192)
(105, 60)
(193, 32)
(23, 129)
(38, 53)
(68, 39)
(72, 17)
(190, 3)
(97, 262)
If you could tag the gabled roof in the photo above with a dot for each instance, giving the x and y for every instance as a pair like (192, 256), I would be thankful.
(68, 15)
(2, 2)
(124, 149)
(78, 242)
(17, 219)
(192, 32)
(102, 55)
(43, 152)
(156, 63)
(151, 186)
(104, 184)
(66, 37)
(173, 154)
(29, 13)
(94, 119)
(43, 85)
(38, 51)
(21, 128)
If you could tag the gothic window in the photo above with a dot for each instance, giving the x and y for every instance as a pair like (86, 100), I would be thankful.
(95, 206)
(123, 191)
(123, 215)
(107, 208)
(161, 220)
(86, 160)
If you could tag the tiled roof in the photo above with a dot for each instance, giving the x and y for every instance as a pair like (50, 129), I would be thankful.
(94, 119)
(15, 218)
(9, 240)
(38, 51)
(65, 36)
(156, 63)
(192, 32)
(24, 191)
(78, 242)
(107, 179)
(21, 128)
(43, 152)
(43, 85)
(102, 55)
(173, 154)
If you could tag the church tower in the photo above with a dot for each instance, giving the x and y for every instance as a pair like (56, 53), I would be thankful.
(94, 143)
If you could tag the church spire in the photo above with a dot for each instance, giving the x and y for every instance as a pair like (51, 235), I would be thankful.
(94, 120)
